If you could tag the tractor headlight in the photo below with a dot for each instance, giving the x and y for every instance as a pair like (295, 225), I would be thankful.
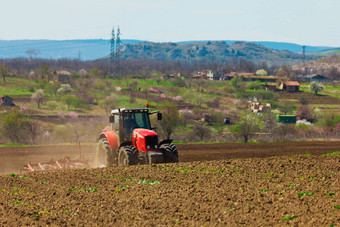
(155, 146)
(148, 147)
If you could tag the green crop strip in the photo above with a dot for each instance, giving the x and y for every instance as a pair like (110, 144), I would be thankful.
(333, 153)
(330, 194)
(93, 189)
(305, 193)
(289, 217)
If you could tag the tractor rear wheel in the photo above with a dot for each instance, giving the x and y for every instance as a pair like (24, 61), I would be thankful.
(128, 155)
(170, 153)
(104, 157)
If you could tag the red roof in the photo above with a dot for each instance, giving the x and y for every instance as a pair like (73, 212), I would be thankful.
(291, 83)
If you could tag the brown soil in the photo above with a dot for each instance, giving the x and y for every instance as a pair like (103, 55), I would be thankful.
(312, 98)
(12, 159)
(268, 185)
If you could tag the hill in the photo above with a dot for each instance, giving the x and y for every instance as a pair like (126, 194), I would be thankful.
(296, 48)
(91, 49)
(210, 51)
(330, 52)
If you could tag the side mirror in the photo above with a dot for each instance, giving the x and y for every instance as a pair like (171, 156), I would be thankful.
(112, 119)
(159, 116)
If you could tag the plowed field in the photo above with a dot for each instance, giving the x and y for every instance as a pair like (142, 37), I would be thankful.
(312, 99)
(12, 159)
(243, 184)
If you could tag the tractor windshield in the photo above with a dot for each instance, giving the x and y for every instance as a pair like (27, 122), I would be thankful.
(134, 120)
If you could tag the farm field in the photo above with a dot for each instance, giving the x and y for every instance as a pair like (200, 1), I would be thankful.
(12, 159)
(281, 190)
(312, 99)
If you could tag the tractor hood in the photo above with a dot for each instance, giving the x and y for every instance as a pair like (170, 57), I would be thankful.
(142, 132)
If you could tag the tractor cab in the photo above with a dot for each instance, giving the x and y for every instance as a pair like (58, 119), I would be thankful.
(125, 120)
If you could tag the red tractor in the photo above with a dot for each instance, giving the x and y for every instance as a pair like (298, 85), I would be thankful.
(130, 140)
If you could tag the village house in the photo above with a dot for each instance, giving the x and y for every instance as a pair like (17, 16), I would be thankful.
(168, 76)
(6, 101)
(205, 74)
(209, 74)
(257, 107)
(251, 77)
(313, 78)
(270, 86)
(62, 76)
(290, 86)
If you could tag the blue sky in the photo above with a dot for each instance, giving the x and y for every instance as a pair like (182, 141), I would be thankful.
(307, 22)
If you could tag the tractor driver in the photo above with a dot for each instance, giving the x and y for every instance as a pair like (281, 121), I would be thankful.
(129, 124)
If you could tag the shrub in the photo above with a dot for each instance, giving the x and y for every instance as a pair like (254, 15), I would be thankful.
(215, 103)
(264, 95)
(249, 123)
(303, 100)
(254, 85)
(18, 128)
(178, 82)
(304, 112)
(202, 132)
(51, 105)
(52, 88)
(285, 131)
(329, 120)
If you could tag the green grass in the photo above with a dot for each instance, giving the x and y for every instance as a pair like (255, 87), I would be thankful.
(330, 90)
(13, 145)
(10, 91)
(16, 86)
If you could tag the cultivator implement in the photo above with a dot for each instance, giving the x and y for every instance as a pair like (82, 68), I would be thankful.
(61, 164)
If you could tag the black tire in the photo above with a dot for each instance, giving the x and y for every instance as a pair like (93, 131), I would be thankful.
(128, 155)
(170, 153)
(104, 157)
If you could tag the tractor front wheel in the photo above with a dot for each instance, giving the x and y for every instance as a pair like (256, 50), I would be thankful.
(104, 157)
(170, 153)
(128, 155)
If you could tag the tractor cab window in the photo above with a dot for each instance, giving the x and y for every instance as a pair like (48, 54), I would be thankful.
(116, 122)
(134, 120)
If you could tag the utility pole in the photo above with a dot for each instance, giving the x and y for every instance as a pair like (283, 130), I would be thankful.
(118, 46)
(304, 58)
(113, 50)
(304, 53)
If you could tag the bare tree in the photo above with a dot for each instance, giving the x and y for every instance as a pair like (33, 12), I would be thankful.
(304, 112)
(171, 118)
(333, 73)
(4, 71)
(203, 132)
(32, 53)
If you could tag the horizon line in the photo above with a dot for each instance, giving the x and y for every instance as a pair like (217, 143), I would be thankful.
(203, 40)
